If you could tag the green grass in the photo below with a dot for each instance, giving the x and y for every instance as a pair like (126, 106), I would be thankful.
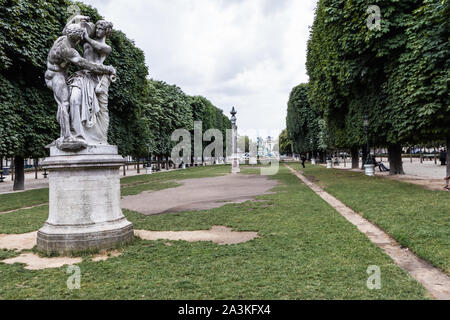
(306, 250)
(23, 221)
(7, 254)
(13, 201)
(416, 217)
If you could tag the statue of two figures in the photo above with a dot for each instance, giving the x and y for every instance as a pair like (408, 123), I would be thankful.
(82, 97)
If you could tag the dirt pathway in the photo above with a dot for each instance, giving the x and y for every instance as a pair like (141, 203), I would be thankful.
(200, 194)
(434, 280)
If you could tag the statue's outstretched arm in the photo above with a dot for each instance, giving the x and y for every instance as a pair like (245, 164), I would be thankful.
(81, 62)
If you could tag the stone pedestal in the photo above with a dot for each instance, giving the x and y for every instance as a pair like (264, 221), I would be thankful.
(329, 164)
(85, 211)
(313, 161)
(369, 170)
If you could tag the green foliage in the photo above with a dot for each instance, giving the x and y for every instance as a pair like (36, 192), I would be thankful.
(398, 75)
(418, 84)
(167, 109)
(302, 122)
(285, 145)
(28, 123)
(210, 116)
(27, 31)
(141, 111)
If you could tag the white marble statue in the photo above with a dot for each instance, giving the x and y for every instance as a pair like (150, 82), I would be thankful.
(83, 97)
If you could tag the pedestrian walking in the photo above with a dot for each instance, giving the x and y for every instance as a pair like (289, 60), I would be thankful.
(303, 157)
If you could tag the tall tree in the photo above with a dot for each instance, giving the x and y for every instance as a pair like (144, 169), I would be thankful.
(302, 123)
(28, 123)
(349, 64)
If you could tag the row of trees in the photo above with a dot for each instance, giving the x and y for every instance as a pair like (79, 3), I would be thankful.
(142, 111)
(395, 72)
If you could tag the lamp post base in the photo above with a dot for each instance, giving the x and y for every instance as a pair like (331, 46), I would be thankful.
(369, 170)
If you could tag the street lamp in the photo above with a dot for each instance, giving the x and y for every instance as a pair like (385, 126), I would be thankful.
(369, 164)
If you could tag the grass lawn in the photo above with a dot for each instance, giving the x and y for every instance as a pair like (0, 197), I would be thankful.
(417, 218)
(306, 250)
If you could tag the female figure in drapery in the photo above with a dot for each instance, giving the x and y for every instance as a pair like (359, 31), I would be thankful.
(89, 91)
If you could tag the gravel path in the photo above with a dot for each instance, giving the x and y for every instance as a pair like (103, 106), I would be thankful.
(425, 170)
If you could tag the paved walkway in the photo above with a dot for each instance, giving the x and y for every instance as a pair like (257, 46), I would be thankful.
(426, 174)
(436, 282)
(425, 170)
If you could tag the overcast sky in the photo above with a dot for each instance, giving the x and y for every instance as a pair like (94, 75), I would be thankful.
(243, 53)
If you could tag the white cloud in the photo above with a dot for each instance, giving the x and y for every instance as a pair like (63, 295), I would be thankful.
(243, 53)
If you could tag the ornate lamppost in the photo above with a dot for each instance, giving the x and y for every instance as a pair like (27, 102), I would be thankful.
(235, 161)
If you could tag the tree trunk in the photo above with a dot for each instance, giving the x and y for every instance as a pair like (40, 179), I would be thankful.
(448, 154)
(12, 169)
(138, 167)
(435, 156)
(36, 164)
(364, 158)
(395, 159)
(410, 153)
(420, 155)
(355, 158)
(19, 177)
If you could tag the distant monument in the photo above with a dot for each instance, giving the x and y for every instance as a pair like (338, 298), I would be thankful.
(84, 178)
(234, 158)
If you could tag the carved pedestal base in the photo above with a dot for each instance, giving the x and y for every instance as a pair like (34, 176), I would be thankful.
(85, 209)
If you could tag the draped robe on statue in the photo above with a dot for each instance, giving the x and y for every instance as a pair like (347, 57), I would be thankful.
(93, 122)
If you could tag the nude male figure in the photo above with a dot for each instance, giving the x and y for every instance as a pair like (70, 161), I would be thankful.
(61, 54)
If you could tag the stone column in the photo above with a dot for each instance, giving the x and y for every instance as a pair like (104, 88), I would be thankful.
(85, 211)
(235, 159)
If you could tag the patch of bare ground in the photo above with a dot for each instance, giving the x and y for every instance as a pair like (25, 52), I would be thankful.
(218, 234)
(200, 194)
(32, 261)
(430, 184)
(18, 242)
